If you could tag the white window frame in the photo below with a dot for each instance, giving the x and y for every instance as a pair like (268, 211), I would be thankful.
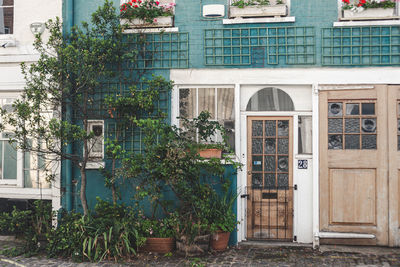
(176, 121)
(96, 156)
(395, 20)
(9, 34)
(19, 181)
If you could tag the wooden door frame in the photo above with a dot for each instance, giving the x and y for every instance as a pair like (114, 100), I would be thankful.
(394, 165)
(250, 118)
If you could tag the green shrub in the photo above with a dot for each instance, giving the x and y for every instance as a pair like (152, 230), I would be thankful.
(108, 233)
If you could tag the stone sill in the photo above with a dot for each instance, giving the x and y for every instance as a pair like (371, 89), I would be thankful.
(259, 20)
(366, 23)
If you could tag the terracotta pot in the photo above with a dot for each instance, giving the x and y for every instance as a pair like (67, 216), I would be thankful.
(209, 153)
(200, 245)
(219, 240)
(159, 244)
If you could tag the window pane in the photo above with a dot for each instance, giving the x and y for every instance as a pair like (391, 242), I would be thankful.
(225, 104)
(10, 161)
(335, 141)
(1, 159)
(352, 109)
(187, 103)
(335, 109)
(6, 17)
(305, 135)
(368, 109)
(207, 100)
(27, 172)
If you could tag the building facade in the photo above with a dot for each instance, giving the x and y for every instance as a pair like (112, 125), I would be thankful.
(21, 175)
(311, 94)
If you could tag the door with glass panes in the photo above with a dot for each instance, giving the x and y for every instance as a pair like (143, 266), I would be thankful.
(354, 163)
(269, 178)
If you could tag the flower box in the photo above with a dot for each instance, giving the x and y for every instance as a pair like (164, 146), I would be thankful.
(258, 11)
(370, 13)
(159, 22)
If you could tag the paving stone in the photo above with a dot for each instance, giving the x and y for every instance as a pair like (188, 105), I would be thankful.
(237, 256)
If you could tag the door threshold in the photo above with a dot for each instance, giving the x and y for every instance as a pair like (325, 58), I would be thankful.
(271, 243)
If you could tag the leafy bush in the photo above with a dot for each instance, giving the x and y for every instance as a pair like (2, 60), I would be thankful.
(109, 233)
(31, 225)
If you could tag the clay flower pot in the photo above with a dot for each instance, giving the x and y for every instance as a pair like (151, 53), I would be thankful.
(159, 244)
(209, 153)
(219, 240)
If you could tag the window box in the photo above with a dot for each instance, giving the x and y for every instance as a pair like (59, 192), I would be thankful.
(258, 11)
(159, 22)
(370, 13)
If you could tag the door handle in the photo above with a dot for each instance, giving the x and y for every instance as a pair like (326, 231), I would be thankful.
(245, 196)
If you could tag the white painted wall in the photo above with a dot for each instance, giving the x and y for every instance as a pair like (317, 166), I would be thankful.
(26, 12)
(12, 80)
(302, 86)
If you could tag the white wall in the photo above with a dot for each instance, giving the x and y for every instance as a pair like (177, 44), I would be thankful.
(299, 84)
(12, 80)
(26, 12)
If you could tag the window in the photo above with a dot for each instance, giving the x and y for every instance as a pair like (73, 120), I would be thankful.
(305, 135)
(96, 145)
(218, 101)
(6, 16)
(352, 125)
(8, 152)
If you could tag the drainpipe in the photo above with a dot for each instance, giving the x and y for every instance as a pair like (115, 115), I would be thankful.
(68, 164)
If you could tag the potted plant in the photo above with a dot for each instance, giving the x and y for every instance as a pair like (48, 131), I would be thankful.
(224, 220)
(257, 8)
(159, 233)
(207, 132)
(367, 9)
(147, 13)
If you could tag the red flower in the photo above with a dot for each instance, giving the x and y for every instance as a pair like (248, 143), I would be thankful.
(157, 3)
(346, 1)
(136, 6)
(361, 2)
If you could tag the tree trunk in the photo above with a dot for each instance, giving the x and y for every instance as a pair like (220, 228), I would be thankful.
(83, 191)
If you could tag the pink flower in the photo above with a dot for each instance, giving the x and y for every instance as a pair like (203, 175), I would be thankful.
(154, 20)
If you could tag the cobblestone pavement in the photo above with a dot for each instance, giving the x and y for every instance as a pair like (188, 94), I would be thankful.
(241, 256)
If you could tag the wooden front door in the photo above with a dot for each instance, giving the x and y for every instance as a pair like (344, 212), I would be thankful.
(269, 178)
(354, 163)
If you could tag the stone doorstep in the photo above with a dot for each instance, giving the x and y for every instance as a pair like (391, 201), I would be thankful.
(367, 250)
(271, 244)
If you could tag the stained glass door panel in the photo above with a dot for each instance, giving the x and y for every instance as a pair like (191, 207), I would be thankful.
(270, 202)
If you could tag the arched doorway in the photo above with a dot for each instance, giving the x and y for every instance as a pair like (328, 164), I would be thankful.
(269, 168)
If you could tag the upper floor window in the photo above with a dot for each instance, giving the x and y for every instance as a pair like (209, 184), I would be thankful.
(368, 9)
(6, 16)
(259, 8)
